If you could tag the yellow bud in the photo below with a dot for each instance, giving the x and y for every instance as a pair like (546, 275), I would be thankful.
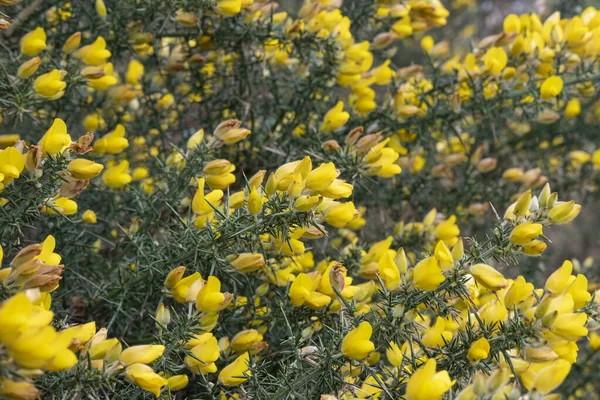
(29, 67)
(72, 43)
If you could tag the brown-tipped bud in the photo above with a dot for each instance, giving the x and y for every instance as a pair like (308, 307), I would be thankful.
(72, 43)
(487, 165)
(257, 347)
(226, 126)
(33, 158)
(408, 72)
(246, 262)
(441, 170)
(26, 255)
(366, 142)
(354, 135)
(530, 176)
(83, 144)
(187, 18)
(73, 187)
(314, 232)
(93, 72)
(489, 41)
(336, 276)
(455, 102)
(331, 145)
(4, 24)
(383, 40)
(197, 59)
(46, 283)
(142, 37)
(548, 117)
(408, 110)
(540, 354)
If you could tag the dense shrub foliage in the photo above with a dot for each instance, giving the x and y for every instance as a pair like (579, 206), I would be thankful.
(228, 199)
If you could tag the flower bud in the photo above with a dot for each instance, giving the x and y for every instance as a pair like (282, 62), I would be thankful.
(82, 168)
(163, 315)
(72, 43)
(93, 72)
(246, 262)
(331, 145)
(29, 67)
(186, 18)
(487, 165)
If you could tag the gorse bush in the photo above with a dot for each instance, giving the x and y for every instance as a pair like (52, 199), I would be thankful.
(187, 190)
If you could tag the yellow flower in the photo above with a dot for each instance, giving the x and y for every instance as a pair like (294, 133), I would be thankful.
(518, 292)
(229, 7)
(495, 60)
(143, 376)
(426, 384)
(247, 262)
(117, 176)
(56, 139)
(357, 344)
(205, 351)
(573, 108)
(340, 214)
(113, 142)
(550, 377)
(177, 382)
(394, 354)
(570, 326)
(388, 271)
(106, 81)
(165, 102)
(182, 290)
(335, 118)
(12, 163)
(59, 205)
(135, 71)
(303, 291)
(94, 54)
(437, 335)
(427, 43)
(34, 42)
(82, 168)
(594, 341)
(89, 217)
(321, 177)
(243, 340)
(50, 85)
(233, 136)
(237, 372)
(558, 281)
(144, 354)
(210, 298)
(479, 350)
(551, 87)
(427, 274)
(525, 232)
(488, 277)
